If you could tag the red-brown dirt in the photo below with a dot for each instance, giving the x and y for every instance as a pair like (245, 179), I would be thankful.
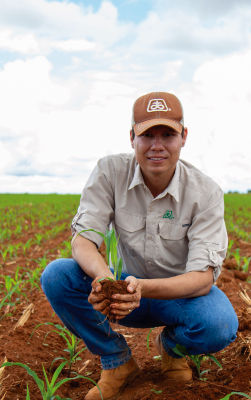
(109, 288)
(18, 345)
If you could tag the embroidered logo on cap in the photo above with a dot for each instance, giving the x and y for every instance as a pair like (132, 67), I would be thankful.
(157, 105)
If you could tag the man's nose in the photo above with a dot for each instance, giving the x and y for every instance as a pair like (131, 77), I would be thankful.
(157, 143)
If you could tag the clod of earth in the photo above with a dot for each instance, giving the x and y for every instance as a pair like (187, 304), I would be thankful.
(109, 288)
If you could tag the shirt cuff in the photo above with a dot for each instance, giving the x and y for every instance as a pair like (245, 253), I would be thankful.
(207, 258)
(82, 221)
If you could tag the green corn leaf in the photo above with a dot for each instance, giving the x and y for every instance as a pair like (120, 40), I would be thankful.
(148, 339)
(156, 391)
(227, 397)
(77, 377)
(92, 230)
(179, 350)
(56, 374)
(105, 277)
(120, 267)
(215, 360)
(27, 393)
(113, 250)
(107, 239)
(46, 380)
(204, 372)
(42, 323)
(56, 359)
(9, 295)
(33, 374)
(65, 338)
(79, 352)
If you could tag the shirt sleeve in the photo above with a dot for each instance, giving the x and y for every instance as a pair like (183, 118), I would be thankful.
(96, 209)
(208, 237)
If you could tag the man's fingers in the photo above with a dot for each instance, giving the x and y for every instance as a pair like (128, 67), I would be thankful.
(101, 306)
(96, 285)
(126, 297)
(124, 307)
(132, 284)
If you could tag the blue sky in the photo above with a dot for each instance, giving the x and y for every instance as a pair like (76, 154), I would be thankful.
(71, 70)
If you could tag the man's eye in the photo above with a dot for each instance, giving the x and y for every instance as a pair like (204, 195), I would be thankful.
(168, 134)
(147, 134)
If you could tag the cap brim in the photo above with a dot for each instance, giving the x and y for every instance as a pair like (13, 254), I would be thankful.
(141, 127)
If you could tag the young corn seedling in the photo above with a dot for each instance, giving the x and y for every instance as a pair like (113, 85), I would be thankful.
(196, 359)
(42, 262)
(230, 245)
(10, 282)
(48, 388)
(38, 238)
(237, 257)
(111, 286)
(71, 341)
(245, 263)
(7, 299)
(34, 277)
(4, 254)
(111, 243)
(66, 251)
(26, 246)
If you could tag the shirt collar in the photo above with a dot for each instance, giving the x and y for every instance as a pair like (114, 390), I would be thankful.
(172, 188)
(137, 178)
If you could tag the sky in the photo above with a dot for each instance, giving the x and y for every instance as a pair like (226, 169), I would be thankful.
(70, 72)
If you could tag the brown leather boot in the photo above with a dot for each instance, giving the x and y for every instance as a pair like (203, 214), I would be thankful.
(113, 381)
(174, 368)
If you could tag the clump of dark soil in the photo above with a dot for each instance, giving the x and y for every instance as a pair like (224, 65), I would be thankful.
(109, 288)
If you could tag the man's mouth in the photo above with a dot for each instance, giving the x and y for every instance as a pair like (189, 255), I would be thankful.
(157, 158)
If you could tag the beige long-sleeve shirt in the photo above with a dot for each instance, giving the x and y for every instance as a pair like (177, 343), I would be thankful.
(180, 230)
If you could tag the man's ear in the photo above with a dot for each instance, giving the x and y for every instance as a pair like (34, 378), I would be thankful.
(184, 137)
(131, 139)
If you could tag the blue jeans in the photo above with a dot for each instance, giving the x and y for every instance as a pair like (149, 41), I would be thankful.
(204, 324)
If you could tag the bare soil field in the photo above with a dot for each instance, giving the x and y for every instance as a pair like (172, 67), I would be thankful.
(39, 347)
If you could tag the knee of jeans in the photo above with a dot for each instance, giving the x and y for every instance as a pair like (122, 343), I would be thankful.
(55, 276)
(214, 334)
(224, 332)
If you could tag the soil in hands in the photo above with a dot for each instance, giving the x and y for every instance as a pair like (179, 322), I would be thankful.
(109, 288)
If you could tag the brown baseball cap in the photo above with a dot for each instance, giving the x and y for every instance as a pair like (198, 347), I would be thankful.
(157, 108)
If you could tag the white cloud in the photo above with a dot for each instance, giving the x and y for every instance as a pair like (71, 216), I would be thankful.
(20, 43)
(64, 21)
(174, 32)
(72, 45)
(217, 105)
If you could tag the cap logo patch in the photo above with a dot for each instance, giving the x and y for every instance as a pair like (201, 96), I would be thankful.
(157, 105)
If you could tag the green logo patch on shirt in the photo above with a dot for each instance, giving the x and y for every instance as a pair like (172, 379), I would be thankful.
(168, 214)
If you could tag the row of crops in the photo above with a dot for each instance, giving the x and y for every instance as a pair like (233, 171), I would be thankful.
(35, 229)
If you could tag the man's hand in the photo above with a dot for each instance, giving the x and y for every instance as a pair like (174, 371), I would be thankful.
(97, 299)
(129, 302)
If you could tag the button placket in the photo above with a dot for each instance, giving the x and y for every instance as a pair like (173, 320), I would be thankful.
(149, 245)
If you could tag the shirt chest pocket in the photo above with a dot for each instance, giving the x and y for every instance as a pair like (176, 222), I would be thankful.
(124, 221)
(172, 231)
(131, 231)
(174, 242)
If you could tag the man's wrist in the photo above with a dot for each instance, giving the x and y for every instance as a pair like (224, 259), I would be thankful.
(143, 286)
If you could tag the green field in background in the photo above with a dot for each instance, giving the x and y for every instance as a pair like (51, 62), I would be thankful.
(46, 209)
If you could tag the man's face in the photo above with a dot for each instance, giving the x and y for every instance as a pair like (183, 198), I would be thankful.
(157, 151)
